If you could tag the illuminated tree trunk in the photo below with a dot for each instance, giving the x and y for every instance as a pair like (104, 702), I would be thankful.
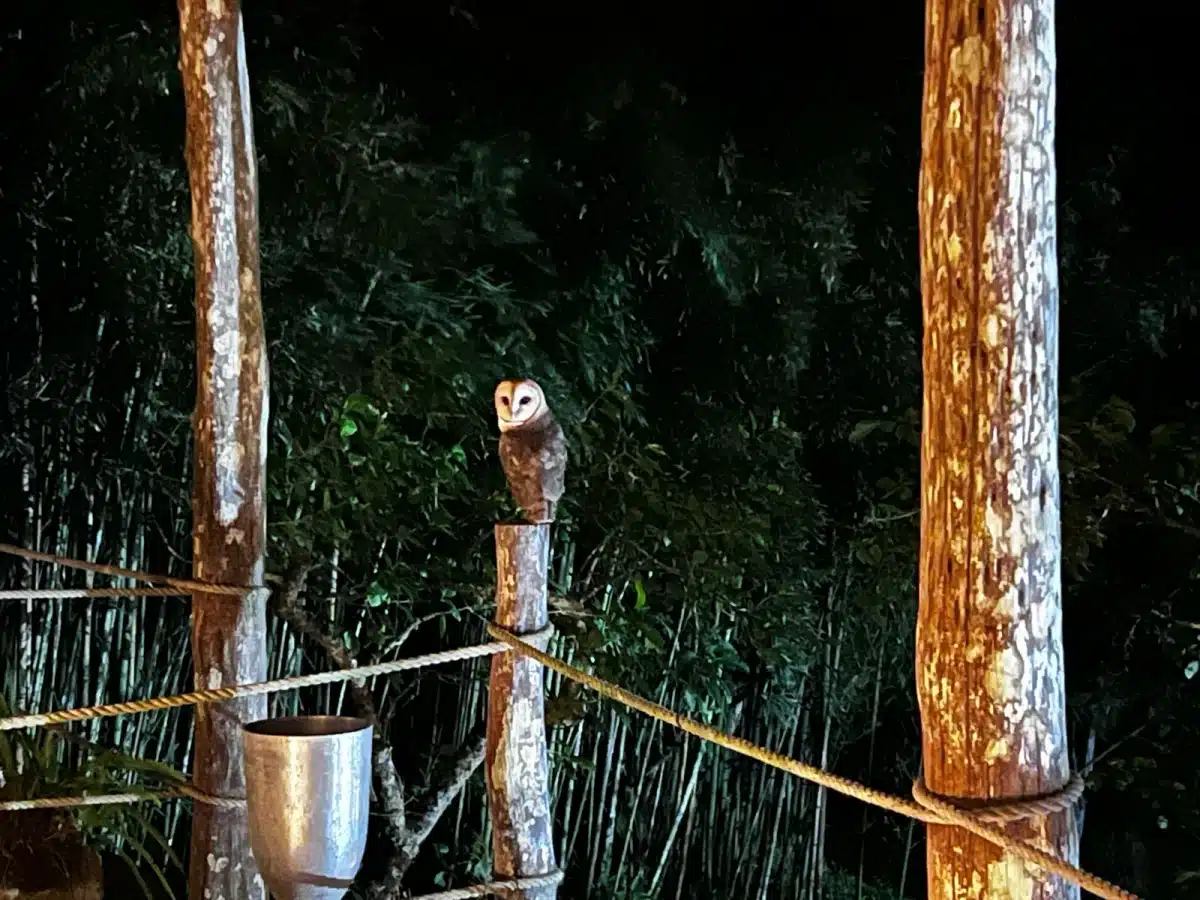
(228, 634)
(989, 632)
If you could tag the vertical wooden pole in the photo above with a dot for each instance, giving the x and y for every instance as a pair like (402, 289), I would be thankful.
(229, 538)
(990, 673)
(517, 763)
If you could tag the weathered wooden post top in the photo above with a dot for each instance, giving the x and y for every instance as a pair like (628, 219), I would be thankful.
(533, 454)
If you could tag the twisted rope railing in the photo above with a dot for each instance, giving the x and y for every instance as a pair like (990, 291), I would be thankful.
(186, 791)
(211, 695)
(236, 691)
(81, 593)
(182, 585)
(925, 806)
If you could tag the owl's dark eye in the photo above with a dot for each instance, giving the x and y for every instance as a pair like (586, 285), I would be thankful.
(504, 400)
(524, 400)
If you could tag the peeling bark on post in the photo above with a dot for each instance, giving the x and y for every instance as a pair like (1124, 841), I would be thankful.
(989, 633)
(228, 633)
(517, 763)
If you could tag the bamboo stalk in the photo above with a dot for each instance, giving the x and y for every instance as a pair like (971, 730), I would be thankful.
(681, 808)
(601, 802)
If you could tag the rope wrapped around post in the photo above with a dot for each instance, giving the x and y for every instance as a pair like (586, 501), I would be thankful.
(926, 808)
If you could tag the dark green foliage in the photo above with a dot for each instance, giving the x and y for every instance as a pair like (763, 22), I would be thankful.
(45, 765)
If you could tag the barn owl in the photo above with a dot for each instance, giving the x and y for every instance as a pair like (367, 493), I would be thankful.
(533, 448)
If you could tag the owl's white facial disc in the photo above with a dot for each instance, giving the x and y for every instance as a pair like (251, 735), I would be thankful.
(518, 403)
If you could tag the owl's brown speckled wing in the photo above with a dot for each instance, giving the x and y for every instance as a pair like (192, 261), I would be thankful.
(535, 463)
(554, 463)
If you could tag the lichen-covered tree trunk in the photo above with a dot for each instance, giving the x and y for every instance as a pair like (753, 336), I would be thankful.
(228, 633)
(989, 632)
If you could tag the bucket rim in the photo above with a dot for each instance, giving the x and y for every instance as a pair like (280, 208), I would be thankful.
(335, 726)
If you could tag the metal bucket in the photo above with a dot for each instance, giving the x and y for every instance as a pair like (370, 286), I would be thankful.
(308, 794)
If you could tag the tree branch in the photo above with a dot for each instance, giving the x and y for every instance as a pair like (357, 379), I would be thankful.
(406, 842)
(466, 761)
(286, 604)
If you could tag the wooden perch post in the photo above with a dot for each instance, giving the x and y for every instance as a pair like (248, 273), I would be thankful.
(517, 763)
(990, 675)
(228, 633)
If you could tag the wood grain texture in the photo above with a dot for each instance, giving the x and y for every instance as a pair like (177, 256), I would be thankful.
(990, 672)
(516, 761)
(228, 633)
